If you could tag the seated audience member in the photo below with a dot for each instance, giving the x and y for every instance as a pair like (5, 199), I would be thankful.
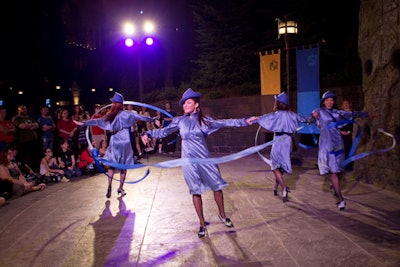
(7, 130)
(5, 189)
(102, 152)
(49, 169)
(10, 172)
(24, 168)
(103, 148)
(2, 201)
(86, 161)
(66, 160)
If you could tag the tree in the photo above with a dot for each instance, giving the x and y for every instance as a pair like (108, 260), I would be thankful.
(225, 53)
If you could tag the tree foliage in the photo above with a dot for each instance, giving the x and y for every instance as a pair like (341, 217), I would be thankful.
(224, 50)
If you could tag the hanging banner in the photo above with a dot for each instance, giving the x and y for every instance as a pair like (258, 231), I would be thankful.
(270, 71)
(308, 83)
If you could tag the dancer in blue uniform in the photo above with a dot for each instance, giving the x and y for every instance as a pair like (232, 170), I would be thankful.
(283, 123)
(119, 121)
(331, 148)
(194, 128)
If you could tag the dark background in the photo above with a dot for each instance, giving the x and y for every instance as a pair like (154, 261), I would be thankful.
(199, 44)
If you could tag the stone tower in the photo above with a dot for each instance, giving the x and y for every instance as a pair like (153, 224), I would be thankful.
(379, 50)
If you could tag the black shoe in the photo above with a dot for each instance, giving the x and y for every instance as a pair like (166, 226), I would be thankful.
(226, 221)
(342, 204)
(285, 194)
(202, 231)
(275, 192)
(108, 195)
(121, 191)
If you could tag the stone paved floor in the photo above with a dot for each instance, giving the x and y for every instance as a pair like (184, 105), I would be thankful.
(155, 224)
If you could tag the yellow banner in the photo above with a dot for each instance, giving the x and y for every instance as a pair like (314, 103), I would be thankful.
(270, 70)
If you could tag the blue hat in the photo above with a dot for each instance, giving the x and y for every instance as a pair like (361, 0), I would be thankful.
(189, 93)
(118, 98)
(328, 94)
(283, 98)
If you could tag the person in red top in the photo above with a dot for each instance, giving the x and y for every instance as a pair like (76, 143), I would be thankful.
(86, 161)
(97, 133)
(7, 130)
(66, 128)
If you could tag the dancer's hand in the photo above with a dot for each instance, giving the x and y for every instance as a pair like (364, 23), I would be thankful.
(79, 123)
(251, 120)
(145, 139)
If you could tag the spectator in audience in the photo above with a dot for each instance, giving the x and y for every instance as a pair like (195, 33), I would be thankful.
(77, 113)
(47, 127)
(134, 136)
(2, 201)
(10, 172)
(103, 148)
(49, 168)
(66, 161)
(66, 128)
(24, 168)
(97, 133)
(146, 126)
(82, 133)
(347, 134)
(157, 142)
(7, 130)
(142, 125)
(27, 139)
(169, 142)
(6, 188)
(86, 162)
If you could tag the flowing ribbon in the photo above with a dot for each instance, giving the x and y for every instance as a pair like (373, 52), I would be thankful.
(352, 157)
(266, 160)
(169, 163)
(365, 154)
(315, 141)
(188, 161)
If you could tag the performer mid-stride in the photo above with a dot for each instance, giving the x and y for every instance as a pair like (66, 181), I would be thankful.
(119, 151)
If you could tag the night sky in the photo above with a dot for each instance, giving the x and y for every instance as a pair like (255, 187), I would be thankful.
(40, 40)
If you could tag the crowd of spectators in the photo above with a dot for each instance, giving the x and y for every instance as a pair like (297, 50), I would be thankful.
(52, 148)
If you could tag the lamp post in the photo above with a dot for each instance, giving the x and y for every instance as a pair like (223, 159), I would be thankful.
(285, 29)
(139, 38)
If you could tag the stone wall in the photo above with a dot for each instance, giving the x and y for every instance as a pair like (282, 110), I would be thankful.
(379, 50)
(230, 140)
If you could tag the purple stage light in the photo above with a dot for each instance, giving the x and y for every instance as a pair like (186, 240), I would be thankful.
(149, 41)
(129, 42)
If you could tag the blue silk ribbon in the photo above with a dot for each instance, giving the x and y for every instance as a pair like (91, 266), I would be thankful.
(188, 161)
(352, 157)
(368, 153)
(315, 141)
(266, 160)
(169, 163)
